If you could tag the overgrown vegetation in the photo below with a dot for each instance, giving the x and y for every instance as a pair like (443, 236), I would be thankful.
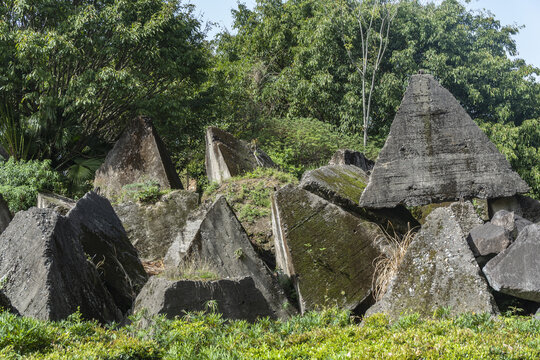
(330, 334)
(20, 182)
(146, 192)
(192, 269)
(73, 74)
(249, 195)
(387, 264)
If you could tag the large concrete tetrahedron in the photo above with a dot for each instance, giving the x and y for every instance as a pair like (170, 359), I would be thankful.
(435, 153)
(138, 156)
(227, 156)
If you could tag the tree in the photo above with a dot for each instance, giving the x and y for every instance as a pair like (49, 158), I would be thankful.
(73, 72)
(374, 21)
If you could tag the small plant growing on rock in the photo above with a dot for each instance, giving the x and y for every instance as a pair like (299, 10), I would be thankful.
(386, 265)
(193, 269)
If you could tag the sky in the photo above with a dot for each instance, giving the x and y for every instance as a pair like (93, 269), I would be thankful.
(509, 12)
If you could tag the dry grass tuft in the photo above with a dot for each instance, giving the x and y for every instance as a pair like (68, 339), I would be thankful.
(386, 264)
(192, 269)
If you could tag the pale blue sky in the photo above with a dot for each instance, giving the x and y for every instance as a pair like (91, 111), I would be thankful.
(516, 12)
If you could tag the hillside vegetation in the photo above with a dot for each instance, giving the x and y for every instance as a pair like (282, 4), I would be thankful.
(289, 78)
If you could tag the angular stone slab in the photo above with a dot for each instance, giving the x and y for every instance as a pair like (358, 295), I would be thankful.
(510, 222)
(236, 299)
(48, 200)
(327, 251)
(351, 157)
(45, 272)
(214, 237)
(104, 239)
(436, 153)
(520, 205)
(152, 228)
(343, 185)
(488, 239)
(438, 270)
(5, 214)
(227, 156)
(465, 215)
(516, 270)
(138, 156)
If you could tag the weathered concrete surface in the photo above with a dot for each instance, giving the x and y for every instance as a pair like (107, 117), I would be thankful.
(510, 222)
(343, 185)
(5, 214)
(438, 270)
(45, 273)
(227, 156)
(436, 153)
(48, 200)
(516, 270)
(152, 228)
(488, 239)
(215, 237)
(351, 157)
(327, 251)
(138, 156)
(237, 299)
(520, 205)
(104, 239)
(465, 215)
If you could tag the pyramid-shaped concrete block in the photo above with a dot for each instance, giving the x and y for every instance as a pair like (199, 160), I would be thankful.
(138, 156)
(227, 156)
(435, 153)
(214, 238)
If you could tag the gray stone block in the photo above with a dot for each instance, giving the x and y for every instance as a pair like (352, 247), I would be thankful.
(236, 299)
(152, 228)
(516, 270)
(351, 157)
(214, 237)
(227, 156)
(138, 156)
(326, 251)
(45, 272)
(438, 270)
(436, 153)
(105, 241)
(343, 185)
(488, 239)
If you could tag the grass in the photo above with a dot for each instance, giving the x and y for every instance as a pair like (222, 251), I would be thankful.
(249, 196)
(330, 334)
(197, 270)
(386, 265)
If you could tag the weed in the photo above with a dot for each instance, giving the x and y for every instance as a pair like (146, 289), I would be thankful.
(192, 269)
(386, 265)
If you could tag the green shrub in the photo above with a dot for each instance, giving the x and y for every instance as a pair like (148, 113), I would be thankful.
(297, 144)
(20, 182)
(146, 192)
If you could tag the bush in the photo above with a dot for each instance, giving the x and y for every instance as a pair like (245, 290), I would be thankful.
(298, 144)
(20, 182)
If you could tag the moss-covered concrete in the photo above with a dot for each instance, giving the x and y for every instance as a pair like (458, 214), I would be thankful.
(438, 271)
(330, 251)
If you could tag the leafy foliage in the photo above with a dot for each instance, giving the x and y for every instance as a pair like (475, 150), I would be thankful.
(291, 59)
(521, 146)
(297, 144)
(20, 182)
(319, 335)
(74, 72)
